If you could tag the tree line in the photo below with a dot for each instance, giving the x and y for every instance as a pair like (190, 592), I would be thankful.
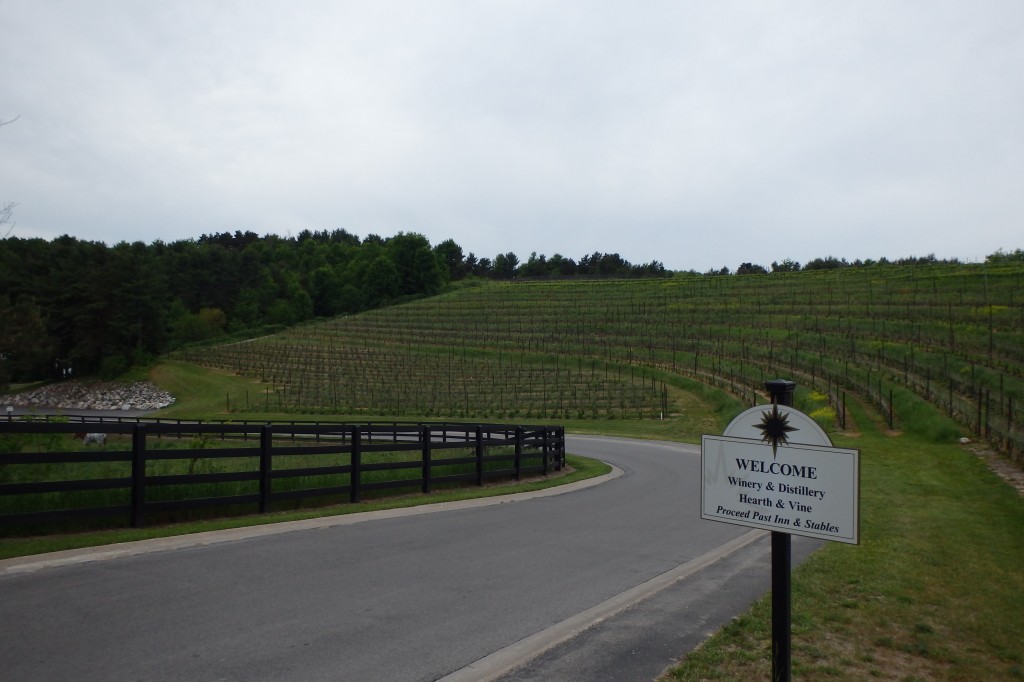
(833, 263)
(75, 308)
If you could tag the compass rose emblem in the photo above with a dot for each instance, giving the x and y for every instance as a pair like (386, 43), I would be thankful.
(774, 428)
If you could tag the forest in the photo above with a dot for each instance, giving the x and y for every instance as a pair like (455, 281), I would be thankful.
(79, 308)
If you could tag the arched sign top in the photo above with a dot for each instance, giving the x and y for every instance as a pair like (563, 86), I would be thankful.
(778, 425)
(776, 469)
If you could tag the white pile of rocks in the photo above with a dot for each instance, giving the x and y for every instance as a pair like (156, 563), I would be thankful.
(94, 395)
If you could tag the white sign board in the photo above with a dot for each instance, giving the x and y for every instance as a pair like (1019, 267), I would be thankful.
(766, 477)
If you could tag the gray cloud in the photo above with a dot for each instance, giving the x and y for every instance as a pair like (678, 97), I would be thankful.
(698, 134)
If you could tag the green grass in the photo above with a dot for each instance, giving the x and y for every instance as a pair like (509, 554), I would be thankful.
(935, 590)
(201, 392)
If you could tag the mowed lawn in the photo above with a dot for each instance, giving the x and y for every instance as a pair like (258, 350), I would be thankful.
(934, 591)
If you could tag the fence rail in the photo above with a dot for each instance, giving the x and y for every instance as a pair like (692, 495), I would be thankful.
(143, 469)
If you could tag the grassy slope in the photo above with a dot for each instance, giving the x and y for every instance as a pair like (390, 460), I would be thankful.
(199, 392)
(945, 335)
(935, 590)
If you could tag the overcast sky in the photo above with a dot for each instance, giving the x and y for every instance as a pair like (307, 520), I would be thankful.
(700, 134)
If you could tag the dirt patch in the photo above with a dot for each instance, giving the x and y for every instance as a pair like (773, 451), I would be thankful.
(1005, 468)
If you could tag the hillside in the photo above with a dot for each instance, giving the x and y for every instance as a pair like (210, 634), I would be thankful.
(948, 336)
(78, 308)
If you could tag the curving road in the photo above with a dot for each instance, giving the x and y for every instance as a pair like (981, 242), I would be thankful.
(466, 590)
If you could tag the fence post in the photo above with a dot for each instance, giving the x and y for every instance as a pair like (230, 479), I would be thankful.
(1009, 427)
(546, 453)
(356, 457)
(977, 430)
(425, 438)
(138, 476)
(266, 466)
(891, 421)
(479, 455)
(988, 414)
(519, 451)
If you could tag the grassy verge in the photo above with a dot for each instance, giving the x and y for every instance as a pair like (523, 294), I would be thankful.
(200, 392)
(935, 590)
(580, 468)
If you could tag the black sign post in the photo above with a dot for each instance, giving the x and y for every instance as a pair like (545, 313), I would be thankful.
(782, 394)
(778, 470)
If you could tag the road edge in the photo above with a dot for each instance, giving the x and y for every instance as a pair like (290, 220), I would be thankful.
(493, 666)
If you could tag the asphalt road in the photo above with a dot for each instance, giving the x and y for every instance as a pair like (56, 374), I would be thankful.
(519, 588)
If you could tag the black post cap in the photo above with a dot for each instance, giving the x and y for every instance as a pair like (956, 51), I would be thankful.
(781, 390)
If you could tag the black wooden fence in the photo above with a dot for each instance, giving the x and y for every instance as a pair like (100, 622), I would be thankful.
(256, 464)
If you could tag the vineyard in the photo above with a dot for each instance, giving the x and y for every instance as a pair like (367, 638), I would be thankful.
(901, 338)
